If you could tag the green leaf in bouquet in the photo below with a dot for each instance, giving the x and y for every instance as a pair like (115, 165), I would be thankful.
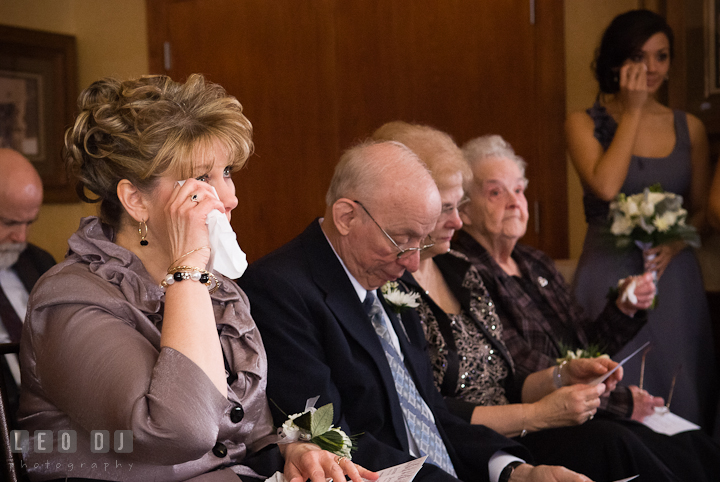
(330, 441)
(304, 421)
(322, 420)
(623, 242)
(690, 235)
(656, 188)
(685, 233)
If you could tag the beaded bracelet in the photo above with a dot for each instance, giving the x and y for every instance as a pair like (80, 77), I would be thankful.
(557, 374)
(180, 273)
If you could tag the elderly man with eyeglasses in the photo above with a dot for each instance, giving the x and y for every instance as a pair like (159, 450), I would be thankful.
(328, 331)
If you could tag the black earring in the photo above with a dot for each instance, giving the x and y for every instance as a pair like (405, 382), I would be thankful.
(142, 229)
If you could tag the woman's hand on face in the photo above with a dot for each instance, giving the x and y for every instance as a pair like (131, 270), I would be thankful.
(185, 219)
(643, 403)
(644, 293)
(658, 258)
(585, 370)
(633, 85)
(305, 461)
(566, 406)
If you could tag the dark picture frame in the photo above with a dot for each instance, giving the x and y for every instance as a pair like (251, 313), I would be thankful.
(38, 91)
(712, 46)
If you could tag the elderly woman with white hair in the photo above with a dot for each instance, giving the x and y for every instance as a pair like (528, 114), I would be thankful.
(539, 316)
(542, 316)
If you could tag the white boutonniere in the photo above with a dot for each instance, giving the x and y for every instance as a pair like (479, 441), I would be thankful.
(398, 300)
(592, 351)
(315, 425)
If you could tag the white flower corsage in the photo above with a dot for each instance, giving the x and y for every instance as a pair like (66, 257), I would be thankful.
(592, 351)
(315, 425)
(399, 300)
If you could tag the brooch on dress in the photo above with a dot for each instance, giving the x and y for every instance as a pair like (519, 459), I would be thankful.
(542, 282)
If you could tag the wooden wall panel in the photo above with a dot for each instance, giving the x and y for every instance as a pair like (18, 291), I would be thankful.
(316, 76)
(548, 162)
(276, 59)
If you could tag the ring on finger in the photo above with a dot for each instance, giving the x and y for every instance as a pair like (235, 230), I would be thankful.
(339, 459)
(592, 415)
(195, 198)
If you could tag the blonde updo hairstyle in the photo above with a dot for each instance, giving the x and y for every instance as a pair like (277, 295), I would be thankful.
(435, 148)
(141, 128)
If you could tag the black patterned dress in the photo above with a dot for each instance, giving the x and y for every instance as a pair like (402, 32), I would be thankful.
(472, 367)
(481, 370)
(471, 364)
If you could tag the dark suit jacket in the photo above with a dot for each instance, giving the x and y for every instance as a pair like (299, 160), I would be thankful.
(319, 341)
(32, 263)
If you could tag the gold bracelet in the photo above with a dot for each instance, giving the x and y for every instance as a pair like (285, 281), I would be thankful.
(180, 273)
(188, 254)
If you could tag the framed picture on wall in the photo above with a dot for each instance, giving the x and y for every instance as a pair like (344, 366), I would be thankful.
(38, 89)
(712, 47)
(22, 119)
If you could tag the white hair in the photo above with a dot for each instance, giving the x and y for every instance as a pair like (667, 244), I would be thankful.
(491, 146)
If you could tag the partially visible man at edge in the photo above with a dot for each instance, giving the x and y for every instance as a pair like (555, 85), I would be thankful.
(328, 331)
(21, 263)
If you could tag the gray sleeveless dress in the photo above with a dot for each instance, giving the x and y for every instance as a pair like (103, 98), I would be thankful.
(679, 327)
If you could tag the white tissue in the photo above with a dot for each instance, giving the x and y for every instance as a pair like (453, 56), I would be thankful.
(277, 477)
(226, 257)
(629, 293)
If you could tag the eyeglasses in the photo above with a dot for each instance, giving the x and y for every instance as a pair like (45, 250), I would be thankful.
(402, 252)
(456, 208)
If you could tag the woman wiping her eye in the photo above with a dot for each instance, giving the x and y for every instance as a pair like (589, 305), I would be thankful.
(133, 333)
(626, 142)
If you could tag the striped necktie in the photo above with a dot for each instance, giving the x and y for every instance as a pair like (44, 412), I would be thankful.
(417, 414)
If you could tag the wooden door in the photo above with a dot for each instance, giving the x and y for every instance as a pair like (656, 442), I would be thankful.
(316, 76)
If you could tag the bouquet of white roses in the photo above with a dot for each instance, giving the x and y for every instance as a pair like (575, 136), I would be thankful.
(650, 219)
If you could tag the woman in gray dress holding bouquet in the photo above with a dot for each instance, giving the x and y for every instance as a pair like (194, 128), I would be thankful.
(626, 142)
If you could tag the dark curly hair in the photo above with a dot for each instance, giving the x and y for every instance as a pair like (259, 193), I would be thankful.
(141, 128)
(623, 38)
